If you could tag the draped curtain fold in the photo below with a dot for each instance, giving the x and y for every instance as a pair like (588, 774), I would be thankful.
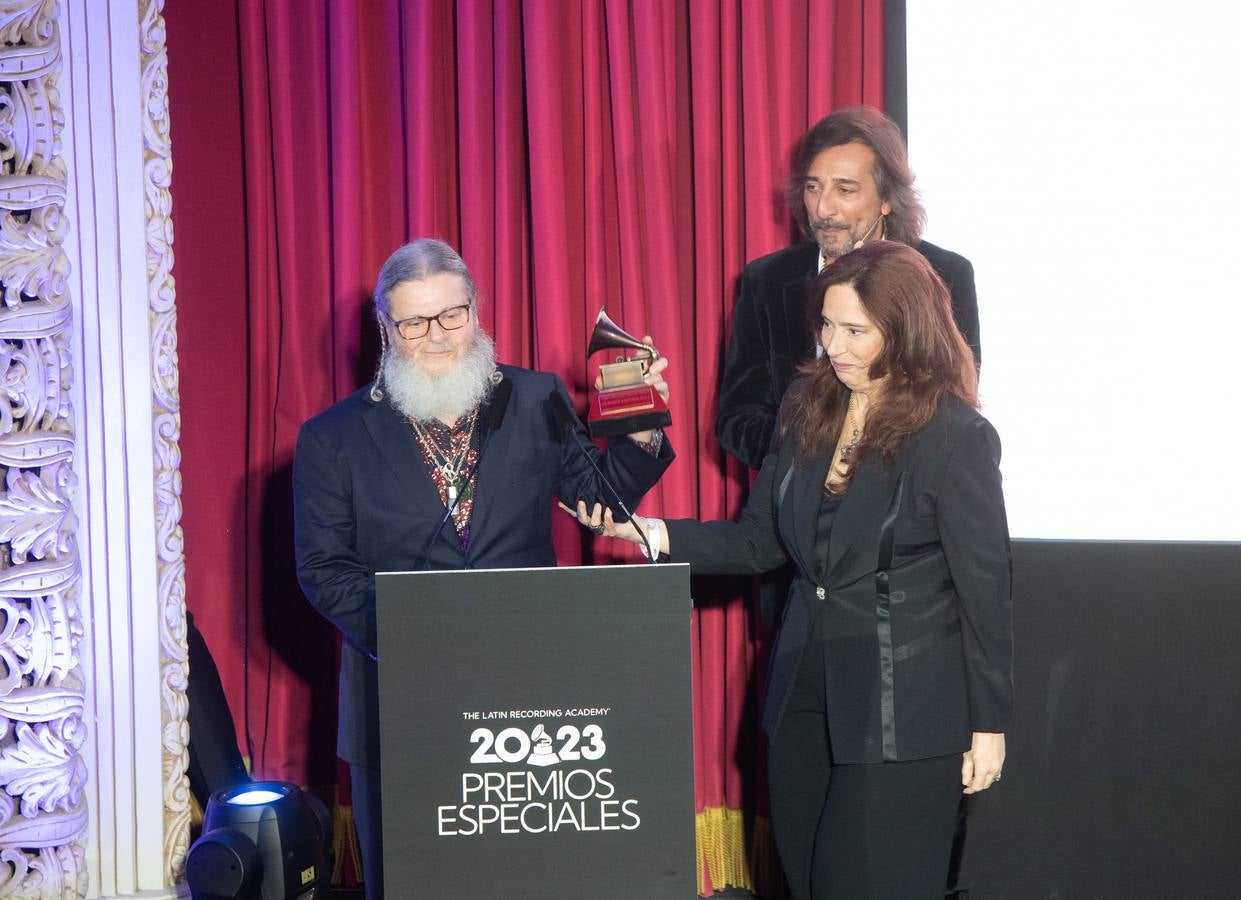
(627, 155)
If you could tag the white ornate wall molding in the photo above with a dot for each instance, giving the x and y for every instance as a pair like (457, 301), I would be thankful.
(166, 433)
(113, 183)
(43, 813)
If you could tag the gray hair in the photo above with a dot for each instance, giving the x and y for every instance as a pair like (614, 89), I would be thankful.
(417, 261)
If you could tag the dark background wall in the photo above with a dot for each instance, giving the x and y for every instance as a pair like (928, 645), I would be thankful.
(1122, 778)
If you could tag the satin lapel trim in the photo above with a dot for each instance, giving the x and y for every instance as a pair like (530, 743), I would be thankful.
(804, 496)
(492, 465)
(396, 442)
(864, 504)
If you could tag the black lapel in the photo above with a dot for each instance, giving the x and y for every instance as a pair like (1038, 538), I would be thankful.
(492, 466)
(799, 336)
(394, 437)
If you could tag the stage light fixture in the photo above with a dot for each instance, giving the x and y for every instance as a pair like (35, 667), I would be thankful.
(265, 840)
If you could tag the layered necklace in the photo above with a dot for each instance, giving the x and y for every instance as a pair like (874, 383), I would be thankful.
(855, 435)
(451, 459)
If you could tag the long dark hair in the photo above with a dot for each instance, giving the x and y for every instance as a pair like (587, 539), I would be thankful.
(893, 178)
(924, 358)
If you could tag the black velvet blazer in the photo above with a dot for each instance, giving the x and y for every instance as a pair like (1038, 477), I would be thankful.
(771, 337)
(916, 593)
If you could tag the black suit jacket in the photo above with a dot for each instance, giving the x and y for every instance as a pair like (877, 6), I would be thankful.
(365, 503)
(916, 592)
(771, 337)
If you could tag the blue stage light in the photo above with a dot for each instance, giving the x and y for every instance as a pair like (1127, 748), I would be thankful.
(253, 797)
(267, 840)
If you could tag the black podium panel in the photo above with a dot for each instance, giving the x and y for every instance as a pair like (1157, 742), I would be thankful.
(537, 733)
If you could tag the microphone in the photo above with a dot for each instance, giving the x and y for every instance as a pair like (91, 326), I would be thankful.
(567, 422)
(495, 418)
(869, 231)
(425, 557)
(566, 418)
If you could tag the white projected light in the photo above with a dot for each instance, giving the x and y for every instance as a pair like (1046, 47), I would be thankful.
(1085, 158)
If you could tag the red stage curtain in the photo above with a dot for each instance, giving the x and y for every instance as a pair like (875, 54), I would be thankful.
(578, 154)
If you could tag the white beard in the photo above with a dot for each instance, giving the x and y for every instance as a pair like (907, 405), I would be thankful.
(447, 397)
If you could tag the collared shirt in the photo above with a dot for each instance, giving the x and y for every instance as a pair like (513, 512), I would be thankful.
(818, 344)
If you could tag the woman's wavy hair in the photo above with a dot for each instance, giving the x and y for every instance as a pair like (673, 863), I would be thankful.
(893, 178)
(924, 356)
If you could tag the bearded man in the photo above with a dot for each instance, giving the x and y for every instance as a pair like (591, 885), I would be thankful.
(852, 183)
(447, 461)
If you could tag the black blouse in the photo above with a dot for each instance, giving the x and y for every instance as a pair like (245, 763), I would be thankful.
(828, 507)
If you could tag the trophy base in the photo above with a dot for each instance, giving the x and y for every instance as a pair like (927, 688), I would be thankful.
(614, 425)
(626, 411)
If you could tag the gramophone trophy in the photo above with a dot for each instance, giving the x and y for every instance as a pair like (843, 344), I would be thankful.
(625, 404)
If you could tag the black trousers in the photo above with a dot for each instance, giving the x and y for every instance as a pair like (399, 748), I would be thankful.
(364, 786)
(856, 832)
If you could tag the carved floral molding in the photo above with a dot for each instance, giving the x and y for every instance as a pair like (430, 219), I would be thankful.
(43, 817)
(42, 809)
(166, 412)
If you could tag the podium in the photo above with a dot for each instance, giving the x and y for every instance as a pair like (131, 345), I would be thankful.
(537, 733)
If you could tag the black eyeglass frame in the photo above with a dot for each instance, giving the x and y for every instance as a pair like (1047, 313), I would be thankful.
(401, 324)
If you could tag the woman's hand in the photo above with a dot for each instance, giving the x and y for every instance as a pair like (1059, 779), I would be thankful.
(982, 763)
(600, 521)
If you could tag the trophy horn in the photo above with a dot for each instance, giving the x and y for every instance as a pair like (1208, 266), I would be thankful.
(607, 335)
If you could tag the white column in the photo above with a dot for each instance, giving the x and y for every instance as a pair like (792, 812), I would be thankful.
(125, 426)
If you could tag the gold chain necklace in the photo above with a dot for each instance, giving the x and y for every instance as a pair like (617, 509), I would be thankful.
(847, 450)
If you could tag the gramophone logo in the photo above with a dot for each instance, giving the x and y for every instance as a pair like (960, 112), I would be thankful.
(542, 754)
(534, 781)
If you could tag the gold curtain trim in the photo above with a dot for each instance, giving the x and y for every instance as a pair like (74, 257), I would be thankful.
(345, 840)
(721, 841)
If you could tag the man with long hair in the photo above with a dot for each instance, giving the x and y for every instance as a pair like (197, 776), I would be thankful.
(446, 461)
(851, 184)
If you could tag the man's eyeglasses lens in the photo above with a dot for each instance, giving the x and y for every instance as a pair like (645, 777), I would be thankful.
(417, 326)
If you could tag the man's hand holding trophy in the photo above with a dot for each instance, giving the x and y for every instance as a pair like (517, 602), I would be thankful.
(625, 403)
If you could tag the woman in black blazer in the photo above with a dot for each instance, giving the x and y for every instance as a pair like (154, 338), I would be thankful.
(890, 685)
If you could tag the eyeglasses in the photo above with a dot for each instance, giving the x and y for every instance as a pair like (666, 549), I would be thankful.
(416, 327)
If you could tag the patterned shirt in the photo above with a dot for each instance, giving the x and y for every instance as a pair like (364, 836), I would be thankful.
(458, 445)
